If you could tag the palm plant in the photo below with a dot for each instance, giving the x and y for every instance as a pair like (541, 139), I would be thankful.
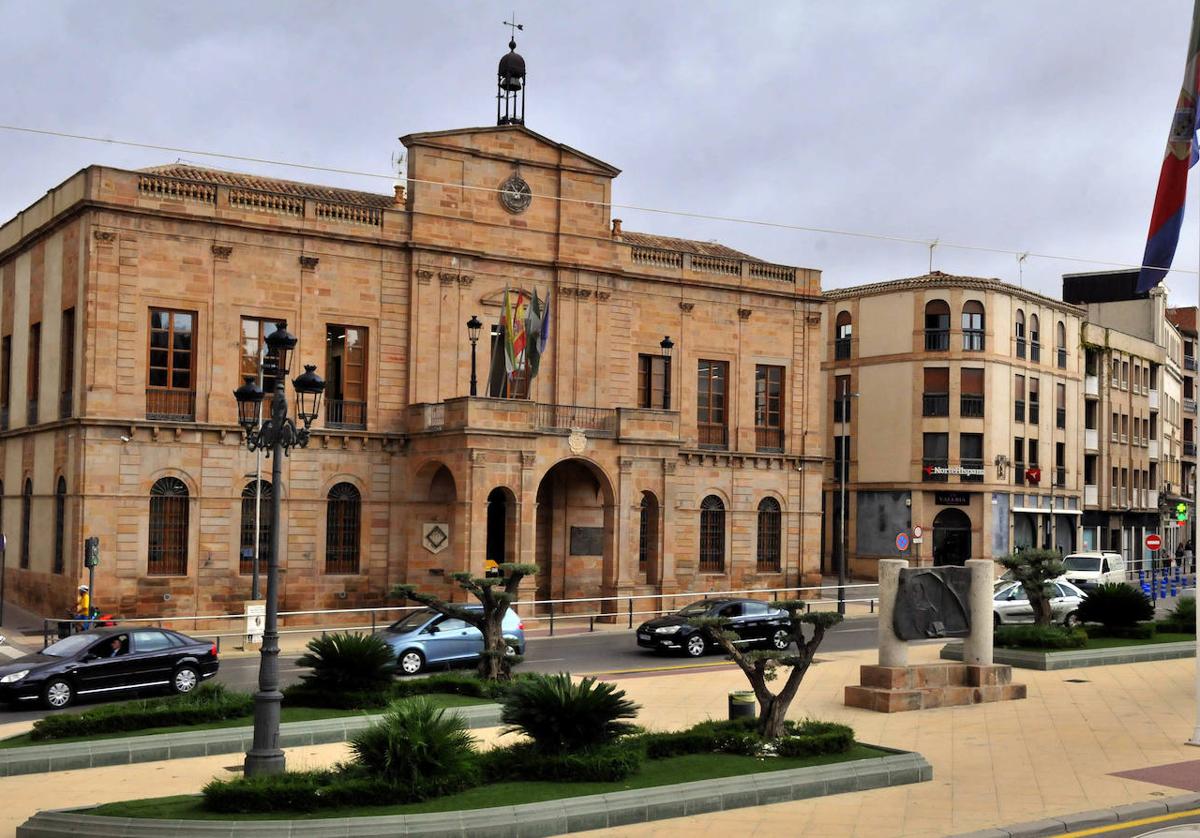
(417, 742)
(1115, 604)
(348, 662)
(563, 716)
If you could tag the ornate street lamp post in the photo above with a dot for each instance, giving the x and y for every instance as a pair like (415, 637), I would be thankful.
(668, 346)
(277, 434)
(473, 327)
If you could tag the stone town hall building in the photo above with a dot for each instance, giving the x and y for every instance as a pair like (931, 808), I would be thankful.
(132, 302)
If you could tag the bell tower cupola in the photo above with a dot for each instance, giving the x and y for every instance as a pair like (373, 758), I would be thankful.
(510, 83)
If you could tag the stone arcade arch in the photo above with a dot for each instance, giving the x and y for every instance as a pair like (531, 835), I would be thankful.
(575, 531)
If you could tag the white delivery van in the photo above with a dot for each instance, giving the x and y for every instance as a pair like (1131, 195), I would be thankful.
(1087, 570)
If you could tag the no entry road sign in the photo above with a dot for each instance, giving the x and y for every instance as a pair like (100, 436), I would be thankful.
(1153, 542)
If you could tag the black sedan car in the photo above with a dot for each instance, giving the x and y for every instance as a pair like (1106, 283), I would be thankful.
(108, 660)
(754, 621)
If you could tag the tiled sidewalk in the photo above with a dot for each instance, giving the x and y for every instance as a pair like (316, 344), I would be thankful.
(1053, 753)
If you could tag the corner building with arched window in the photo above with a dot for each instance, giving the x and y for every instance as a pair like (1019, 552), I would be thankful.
(141, 298)
(954, 404)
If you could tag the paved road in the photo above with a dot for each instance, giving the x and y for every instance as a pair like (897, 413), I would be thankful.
(608, 653)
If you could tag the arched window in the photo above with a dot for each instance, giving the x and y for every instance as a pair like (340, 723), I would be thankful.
(972, 326)
(1019, 332)
(168, 528)
(60, 523)
(266, 512)
(1060, 342)
(845, 330)
(770, 536)
(26, 509)
(1035, 345)
(342, 516)
(712, 535)
(647, 533)
(937, 326)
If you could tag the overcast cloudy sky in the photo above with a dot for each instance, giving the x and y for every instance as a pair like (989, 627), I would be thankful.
(1028, 125)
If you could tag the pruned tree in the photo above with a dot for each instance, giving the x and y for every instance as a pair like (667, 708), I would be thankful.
(759, 666)
(495, 595)
(1035, 569)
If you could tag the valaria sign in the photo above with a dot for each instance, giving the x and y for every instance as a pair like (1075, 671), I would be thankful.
(939, 471)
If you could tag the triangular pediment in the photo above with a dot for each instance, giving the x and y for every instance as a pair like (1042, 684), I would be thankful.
(515, 142)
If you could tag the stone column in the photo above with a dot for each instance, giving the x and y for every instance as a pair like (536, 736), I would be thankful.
(977, 648)
(892, 650)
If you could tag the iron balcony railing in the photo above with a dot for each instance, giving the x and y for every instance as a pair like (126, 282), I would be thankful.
(1060, 477)
(935, 404)
(1035, 351)
(1189, 362)
(1060, 417)
(1019, 473)
(1019, 410)
(768, 439)
(973, 340)
(973, 463)
(937, 340)
(1062, 357)
(1020, 347)
(566, 417)
(1034, 412)
(841, 349)
(1189, 405)
(341, 413)
(970, 405)
(1189, 449)
(171, 405)
(712, 435)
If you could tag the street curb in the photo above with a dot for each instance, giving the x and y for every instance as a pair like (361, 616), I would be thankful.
(1077, 658)
(69, 756)
(1086, 820)
(552, 817)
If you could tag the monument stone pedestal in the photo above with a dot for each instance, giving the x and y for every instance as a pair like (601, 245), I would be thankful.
(892, 686)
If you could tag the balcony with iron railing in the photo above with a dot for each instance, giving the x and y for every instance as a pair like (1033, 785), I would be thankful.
(1061, 352)
(972, 464)
(841, 349)
(1019, 473)
(479, 414)
(170, 405)
(1189, 362)
(1060, 477)
(970, 405)
(1035, 413)
(1189, 405)
(1020, 347)
(1035, 352)
(1189, 449)
(1019, 410)
(937, 340)
(973, 340)
(768, 440)
(344, 413)
(935, 404)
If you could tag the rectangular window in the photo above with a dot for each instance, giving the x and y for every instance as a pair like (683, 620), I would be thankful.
(170, 375)
(1089, 469)
(1035, 401)
(255, 331)
(1019, 460)
(1060, 464)
(1116, 427)
(346, 376)
(841, 400)
(33, 379)
(1060, 405)
(970, 456)
(936, 401)
(1116, 373)
(712, 381)
(1124, 427)
(1113, 488)
(1124, 375)
(66, 352)
(5, 379)
(1033, 453)
(1019, 398)
(936, 456)
(768, 407)
(971, 393)
(654, 387)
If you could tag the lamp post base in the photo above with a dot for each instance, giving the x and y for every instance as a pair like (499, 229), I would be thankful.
(262, 764)
(265, 756)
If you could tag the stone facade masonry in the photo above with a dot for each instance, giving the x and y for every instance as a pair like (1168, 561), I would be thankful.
(574, 460)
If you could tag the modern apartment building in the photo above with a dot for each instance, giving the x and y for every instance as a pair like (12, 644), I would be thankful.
(1184, 319)
(953, 403)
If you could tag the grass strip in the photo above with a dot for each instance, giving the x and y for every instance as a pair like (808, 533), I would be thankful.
(661, 772)
(287, 714)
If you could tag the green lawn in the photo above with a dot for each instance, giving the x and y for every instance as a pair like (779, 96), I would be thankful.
(660, 772)
(288, 714)
(1160, 637)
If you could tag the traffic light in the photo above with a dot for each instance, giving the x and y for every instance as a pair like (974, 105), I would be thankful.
(91, 552)
(1181, 512)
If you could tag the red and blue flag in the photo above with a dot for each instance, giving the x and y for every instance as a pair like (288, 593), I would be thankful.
(1167, 217)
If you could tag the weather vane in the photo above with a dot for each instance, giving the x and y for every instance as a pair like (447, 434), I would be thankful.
(515, 26)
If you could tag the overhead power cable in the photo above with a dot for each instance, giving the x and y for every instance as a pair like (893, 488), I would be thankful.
(755, 222)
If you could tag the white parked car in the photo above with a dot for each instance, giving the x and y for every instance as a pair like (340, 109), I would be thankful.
(1089, 570)
(1011, 605)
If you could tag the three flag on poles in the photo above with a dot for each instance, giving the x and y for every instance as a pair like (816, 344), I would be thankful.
(524, 336)
(1167, 216)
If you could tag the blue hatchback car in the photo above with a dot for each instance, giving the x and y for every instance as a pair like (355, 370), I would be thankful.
(425, 637)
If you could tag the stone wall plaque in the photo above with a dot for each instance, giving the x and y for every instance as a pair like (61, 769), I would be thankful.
(932, 602)
(435, 537)
(587, 541)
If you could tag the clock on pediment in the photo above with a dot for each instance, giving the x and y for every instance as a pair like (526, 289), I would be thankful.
(515, 194)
